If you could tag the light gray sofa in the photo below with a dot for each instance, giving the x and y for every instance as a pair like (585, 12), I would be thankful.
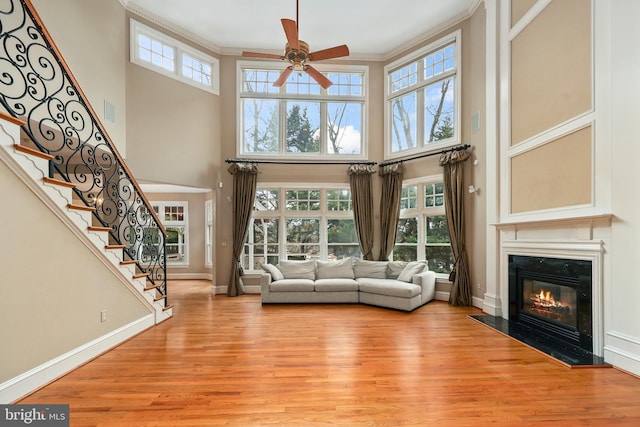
(393, 284)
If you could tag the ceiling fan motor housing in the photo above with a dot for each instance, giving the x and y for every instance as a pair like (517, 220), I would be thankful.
(298, 58)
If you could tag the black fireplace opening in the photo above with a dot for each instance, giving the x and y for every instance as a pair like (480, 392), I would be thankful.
(552, 298)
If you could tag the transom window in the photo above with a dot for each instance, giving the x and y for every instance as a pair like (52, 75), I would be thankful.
(161, 53)
(422, 99)
(301, 119)
(422, 231)
(299, 224)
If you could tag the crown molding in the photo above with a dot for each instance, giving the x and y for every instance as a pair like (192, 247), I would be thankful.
(151, 17)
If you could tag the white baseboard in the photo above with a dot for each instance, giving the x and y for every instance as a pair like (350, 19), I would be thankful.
(26, 383)
(622, 352)
(442, 296)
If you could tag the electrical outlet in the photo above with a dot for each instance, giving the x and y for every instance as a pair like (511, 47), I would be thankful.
(479, 286)
(103, 316)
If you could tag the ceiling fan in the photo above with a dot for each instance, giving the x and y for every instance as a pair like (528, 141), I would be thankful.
(296, 52)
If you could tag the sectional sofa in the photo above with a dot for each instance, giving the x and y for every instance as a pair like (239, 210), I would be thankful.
(392, 284)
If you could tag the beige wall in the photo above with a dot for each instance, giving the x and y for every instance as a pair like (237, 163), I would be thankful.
(52, 287)
(551, 84)
(173, 129)
(90, 36)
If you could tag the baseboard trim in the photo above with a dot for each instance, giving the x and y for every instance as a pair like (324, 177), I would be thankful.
(623, 352)
(32, 380)
(189, 276)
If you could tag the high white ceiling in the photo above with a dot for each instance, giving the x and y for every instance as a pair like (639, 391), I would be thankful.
(371, 28)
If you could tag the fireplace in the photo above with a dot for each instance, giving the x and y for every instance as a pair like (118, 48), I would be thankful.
(552, 298)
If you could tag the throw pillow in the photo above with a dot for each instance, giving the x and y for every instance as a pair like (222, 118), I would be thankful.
(298, 269)
(370, 269)
(342, 269)
(413, 268)
(273, 271)
(394, 268)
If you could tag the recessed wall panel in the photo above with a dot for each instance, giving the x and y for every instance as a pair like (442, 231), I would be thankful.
(551, 69)
(555, 175)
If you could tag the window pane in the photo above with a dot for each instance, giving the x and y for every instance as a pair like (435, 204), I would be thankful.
(344, 128)
(403, 124)
(407, 231)
(339, 200)
(440, 258)
(345, 84)
(259, 81)
(303, 238)
(433, 195)
(404, 77)
(303, 124)
(260, 117)
(342, 239)
(302, 200)
(409, 197)
(175, 244)
(439, 108)
(302, 83)
(436, 229)
(267, 200)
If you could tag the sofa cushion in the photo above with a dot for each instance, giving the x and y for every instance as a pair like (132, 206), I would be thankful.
(342, 269)
(292, 285)
(298, 269)
(336, 285)
(394, 268)
(273, 271)
(411, 269)
(372, 269)
(394, 288)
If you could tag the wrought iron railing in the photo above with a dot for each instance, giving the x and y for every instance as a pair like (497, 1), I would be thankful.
(37, 86)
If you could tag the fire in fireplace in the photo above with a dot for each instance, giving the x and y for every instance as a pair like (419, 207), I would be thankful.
(552, 297)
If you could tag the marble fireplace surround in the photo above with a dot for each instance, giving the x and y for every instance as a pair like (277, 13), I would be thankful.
(580, 239)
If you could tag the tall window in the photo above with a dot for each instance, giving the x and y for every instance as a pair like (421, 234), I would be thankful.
(422, 228)
(300, 118)
(300, 223)
(174, 217)
(422, 99)
(159, 52)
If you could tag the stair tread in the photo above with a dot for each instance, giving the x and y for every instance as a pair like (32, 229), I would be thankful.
(129, 262)
(169, 307)
(59, 182)
(138, 276)
(81, 207)
(32, 152)
(96, 228)
(160, 298)
(115, 247)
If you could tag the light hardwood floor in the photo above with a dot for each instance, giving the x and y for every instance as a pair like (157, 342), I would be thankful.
(231, 361)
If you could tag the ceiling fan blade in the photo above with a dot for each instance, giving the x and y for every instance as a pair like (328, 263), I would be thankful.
(318, 76)
(332, 52)
(283, 77)
(261, 55)
(291, 30)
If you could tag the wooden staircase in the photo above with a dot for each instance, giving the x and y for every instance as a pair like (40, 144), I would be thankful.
(32, 166)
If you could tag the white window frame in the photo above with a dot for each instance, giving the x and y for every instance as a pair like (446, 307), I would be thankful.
(421, 212)
(282, 214)
(323, 97)
(421, 147)
(208, 233)
(160, 208)
(180, 49)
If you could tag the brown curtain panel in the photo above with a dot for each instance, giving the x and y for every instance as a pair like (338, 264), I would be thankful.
(389, 206)
(245, 177)
(362, 198)
(453, 169)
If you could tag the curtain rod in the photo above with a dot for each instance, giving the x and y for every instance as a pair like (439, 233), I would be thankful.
(419, 156)
(287, 162)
